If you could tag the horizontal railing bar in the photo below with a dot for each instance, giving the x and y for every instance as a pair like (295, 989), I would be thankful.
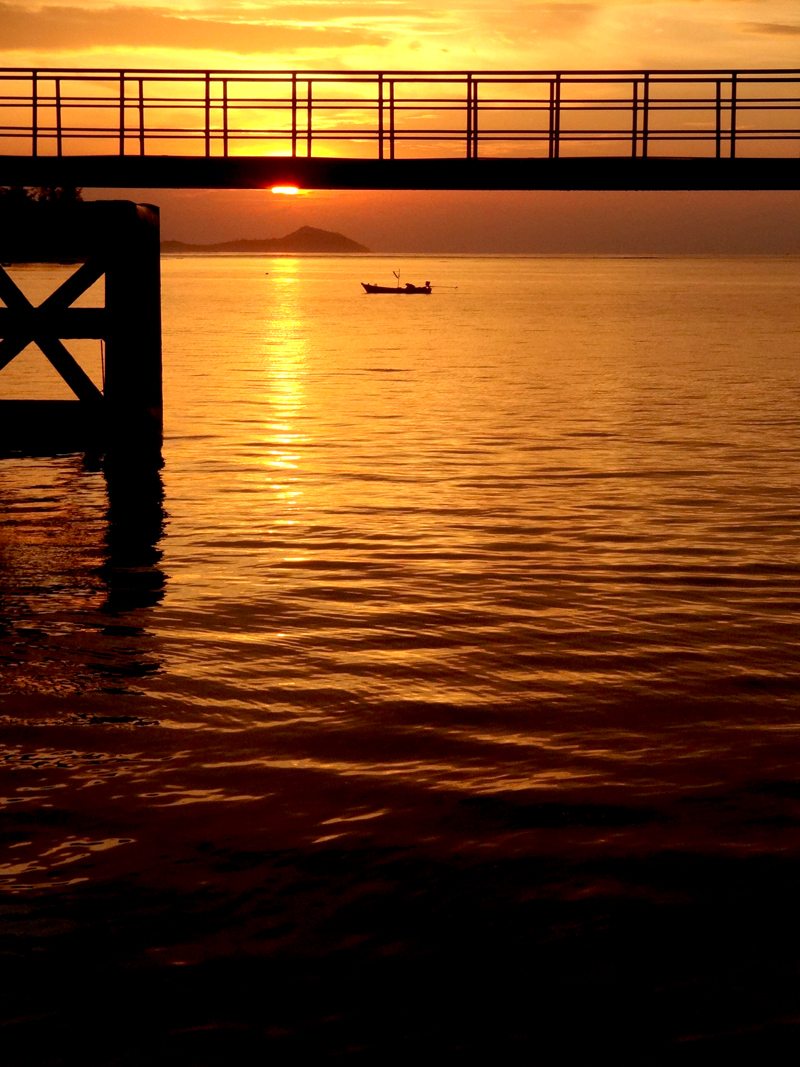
(422, 135)
(155, 131)
(490, 106)
(367, 102)
(520, 109)
(422, 130)
(89, 98)
(453, 135)
(195, 72)
(187, 102)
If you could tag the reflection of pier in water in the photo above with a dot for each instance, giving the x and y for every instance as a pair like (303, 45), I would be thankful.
(136, 517)
(81, 571)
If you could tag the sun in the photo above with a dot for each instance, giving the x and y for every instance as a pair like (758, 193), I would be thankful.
(286, 190)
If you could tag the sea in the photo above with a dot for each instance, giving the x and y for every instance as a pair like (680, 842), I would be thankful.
(438, 697)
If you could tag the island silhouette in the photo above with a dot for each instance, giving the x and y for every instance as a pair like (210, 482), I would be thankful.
(306, 239)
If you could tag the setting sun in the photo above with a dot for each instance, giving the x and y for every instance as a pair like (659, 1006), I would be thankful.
(286, 190)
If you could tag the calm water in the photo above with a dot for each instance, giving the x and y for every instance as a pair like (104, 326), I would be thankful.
(456, 658)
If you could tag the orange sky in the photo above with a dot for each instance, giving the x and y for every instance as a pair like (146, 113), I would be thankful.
(505, 222)
(457, 34)
(390, 33)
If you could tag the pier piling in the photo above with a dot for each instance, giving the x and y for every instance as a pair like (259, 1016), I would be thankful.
(122, 417)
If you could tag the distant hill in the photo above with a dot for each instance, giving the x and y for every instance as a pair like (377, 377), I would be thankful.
(306, 239)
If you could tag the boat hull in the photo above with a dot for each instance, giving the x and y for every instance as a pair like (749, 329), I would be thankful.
(406, 290)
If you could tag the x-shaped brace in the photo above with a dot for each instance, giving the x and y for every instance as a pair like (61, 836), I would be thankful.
(38, 324)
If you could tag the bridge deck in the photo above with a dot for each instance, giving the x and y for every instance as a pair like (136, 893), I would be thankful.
(154, 172)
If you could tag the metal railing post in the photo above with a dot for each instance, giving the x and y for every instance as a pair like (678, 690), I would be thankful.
(646, 115)
(475, 85)
(733, 114)
(34, 113)
(718, 135)
(208, 114)
(141, 116)
(391, 120)
(469, 117)
(122, 112)
(225, 117)
(294, 115)
(380, 116)
(557, 118)
(308, 120)
(58, 117)
(635, 118)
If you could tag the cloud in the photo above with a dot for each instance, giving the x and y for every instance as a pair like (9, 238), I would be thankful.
(555, 20)
(772, 29)
(331, 11)
(337, 34)
(71, 29)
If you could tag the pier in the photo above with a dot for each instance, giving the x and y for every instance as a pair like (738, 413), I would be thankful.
(117, 240)
(239, 129)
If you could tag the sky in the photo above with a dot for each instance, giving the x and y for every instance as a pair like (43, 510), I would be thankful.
(351, 34)
(492, 222)
(456, 34)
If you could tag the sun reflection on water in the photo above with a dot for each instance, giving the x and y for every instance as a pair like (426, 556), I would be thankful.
(286, 351)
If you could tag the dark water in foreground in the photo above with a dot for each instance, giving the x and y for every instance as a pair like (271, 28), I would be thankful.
(439, 696)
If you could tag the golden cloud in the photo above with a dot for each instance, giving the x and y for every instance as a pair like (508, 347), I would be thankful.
(483, 34)
(554, 20)
(70, 29)
(773, 29)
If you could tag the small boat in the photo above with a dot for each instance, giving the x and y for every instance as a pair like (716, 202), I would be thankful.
(408, 288)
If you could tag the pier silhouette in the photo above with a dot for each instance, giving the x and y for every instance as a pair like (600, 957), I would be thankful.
(116, 240)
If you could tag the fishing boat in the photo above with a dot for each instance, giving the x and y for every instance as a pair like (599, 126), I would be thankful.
(407, 289)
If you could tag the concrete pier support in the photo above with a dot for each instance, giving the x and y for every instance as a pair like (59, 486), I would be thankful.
(121, 417)
(133, 397)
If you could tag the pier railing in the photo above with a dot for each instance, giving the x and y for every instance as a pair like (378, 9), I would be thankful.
(400, 114)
